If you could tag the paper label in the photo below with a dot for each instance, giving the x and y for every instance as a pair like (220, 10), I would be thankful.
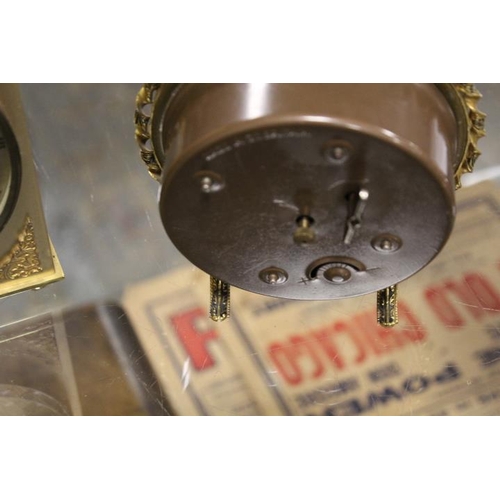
(331, 358)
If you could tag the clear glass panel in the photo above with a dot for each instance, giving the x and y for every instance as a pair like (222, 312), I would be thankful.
(102, 215)
(9, 171)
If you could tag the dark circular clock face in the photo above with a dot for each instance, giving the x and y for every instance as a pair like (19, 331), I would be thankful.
(10, 171)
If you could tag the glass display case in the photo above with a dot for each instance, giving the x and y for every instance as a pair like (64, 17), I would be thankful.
(127, 330)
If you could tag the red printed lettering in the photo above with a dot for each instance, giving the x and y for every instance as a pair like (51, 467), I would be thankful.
(283, 358)
(473, 294)
(194, 339)
(305, 346)
(442, 307)
(341, 344)
(325, 342)
(488, 297)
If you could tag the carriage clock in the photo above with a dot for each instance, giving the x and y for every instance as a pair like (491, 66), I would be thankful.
(308, 191)
(27, 257)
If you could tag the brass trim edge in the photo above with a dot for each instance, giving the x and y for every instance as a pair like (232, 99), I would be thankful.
(462, 98)
(147, 97)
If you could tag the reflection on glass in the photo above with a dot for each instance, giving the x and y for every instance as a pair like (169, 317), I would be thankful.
(7, 173)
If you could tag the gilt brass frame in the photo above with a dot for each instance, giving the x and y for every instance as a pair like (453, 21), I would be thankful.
(27, 258)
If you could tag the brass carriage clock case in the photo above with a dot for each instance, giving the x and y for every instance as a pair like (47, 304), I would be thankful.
(27, 257)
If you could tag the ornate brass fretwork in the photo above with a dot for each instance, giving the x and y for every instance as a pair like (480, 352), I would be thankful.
(387, 306)
(22, 260)
(219, 299)
(145, 97)
(475, 129)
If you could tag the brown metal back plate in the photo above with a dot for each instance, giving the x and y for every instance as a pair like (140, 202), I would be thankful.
(267, 177)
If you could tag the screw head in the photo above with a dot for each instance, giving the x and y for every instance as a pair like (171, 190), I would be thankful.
(206, 184)
(337, 152)
(273, 276)
(337, 275)
(386, 243)
(209, 182)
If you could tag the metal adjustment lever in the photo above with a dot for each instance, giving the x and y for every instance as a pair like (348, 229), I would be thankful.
(357, 205)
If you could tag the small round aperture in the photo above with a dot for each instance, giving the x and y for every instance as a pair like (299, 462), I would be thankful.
(10, 172)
